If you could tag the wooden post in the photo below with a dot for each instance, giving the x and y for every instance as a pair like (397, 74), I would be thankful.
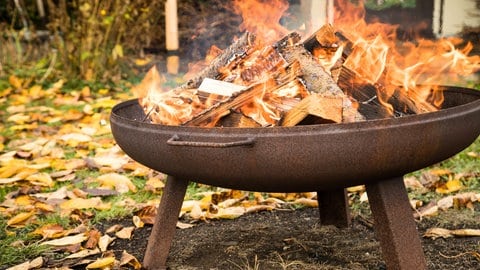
(171, 36)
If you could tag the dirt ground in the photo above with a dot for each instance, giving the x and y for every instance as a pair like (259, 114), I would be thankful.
(293, 239)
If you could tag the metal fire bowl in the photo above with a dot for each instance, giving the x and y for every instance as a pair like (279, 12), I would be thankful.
(301, 158)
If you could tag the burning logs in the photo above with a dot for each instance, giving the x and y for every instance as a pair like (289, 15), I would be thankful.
(285, 84)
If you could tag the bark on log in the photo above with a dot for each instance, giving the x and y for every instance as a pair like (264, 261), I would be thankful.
(238, 49)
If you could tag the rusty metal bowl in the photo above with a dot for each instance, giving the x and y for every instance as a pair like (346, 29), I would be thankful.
(301, 158)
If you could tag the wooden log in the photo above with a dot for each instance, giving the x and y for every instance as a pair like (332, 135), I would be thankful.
(323, 38)
(238, 99)
(236, 50)
(236, 119)
(320, 81)
(327, 108)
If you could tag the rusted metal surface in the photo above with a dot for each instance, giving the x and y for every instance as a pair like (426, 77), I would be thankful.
(165, 223)
(333, 207)
(323, 158)
(395, 227)
(300, 158)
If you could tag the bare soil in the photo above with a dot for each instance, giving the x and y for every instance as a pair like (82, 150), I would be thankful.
(293, 239)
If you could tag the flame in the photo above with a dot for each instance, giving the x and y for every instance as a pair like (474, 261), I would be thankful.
(263, 18)
(377, 57)
(370, 51)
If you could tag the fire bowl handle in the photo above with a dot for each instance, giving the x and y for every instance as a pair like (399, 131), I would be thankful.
(175, 140)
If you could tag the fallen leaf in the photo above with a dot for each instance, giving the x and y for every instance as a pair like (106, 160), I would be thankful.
(121, 183)
(182, 225)
(137, 221)
(20, 218)
(435, 233)
(83, 253)
(80, 203)
(114, 228)
(450, 186)
(125, 233)
(104, 241)
(93, 238)
(67, 240)
(228, 213)
(128, 259)
(102, 263)
(41, 179)
(50, 231)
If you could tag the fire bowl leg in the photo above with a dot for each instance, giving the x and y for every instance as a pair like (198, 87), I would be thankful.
(395, 226)
(165, 224)
(333, 207)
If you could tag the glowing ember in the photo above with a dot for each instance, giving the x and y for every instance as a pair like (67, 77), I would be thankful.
(360, 53)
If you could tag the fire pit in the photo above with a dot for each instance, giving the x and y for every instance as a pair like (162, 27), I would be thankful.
(324, 158)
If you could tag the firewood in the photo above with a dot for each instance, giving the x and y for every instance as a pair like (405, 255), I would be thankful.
(399, 98)
(327, 108)
(237, 49)
(236, 119)
(276, 81)
(315, 76)
(323, 38)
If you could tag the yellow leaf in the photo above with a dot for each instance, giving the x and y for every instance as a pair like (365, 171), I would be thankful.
(67, 240)
(142, 61)
(50, 231)
(117, 52)
(121, 183)
(153, 184)
(450, 186)
(440, 172)
(79, 203)
(24, 200)
(101, 263)
(41, 179)
(11, 168)
(20, 218)
(15, 81)
(228, 213)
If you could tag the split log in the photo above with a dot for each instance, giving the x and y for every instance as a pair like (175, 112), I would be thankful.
(236, 119)
(237, 49)
(329, 109)
(318, 80)
(323, 38)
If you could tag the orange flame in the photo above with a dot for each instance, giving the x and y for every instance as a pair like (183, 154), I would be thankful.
(374, 54)
(263, 18)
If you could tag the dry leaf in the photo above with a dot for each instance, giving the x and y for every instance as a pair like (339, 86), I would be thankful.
(93, 238)
(435, 233)
(114, 228)
(67, 240)
(182, 225)
(102, 263)
(80, 203)
(104, 241)
(83, 253)
(125, 233)
(450, 186)
(137, 221)
(228, 213)
(40, 179)
(50, 231)
(128, 259)
(20, 218)
(121, 183)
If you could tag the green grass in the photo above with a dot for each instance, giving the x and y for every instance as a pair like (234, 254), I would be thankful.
(18, 245)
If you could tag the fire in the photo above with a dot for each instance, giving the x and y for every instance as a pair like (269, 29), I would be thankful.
(263, 18)
(379, 58)
(369, 51)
